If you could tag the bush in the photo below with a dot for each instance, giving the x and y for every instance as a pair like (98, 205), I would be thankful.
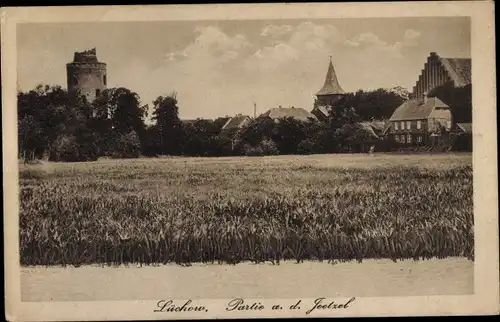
(269, 147)
(249, 150)
(127, 146)
(307, 146)
(265, 147)
(66, 149)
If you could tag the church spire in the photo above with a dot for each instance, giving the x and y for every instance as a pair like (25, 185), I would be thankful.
(331, 86)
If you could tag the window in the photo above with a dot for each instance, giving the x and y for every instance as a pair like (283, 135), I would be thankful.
(75, 80)
(402, 125)
(396, 126)
(396, 137)
(419, 139)
(104, 80)
(408, 138)
(97, 92)
(419, 125)
(408, 125)
(402, 139)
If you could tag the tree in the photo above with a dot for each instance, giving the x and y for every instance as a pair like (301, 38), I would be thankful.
(44, 114)
(259, 129)
(123, 107)
(288, 133)
(200, 138)
(150, 143)
(378, 104)
(166, 115)
(127, 146)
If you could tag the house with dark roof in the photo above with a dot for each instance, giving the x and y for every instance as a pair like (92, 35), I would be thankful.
(298, 114)
(465, 128)
(321, 112)
(439, 71)
(462, 137)
(329, 94)
(375, 127)
(234, 124)
(420, 122)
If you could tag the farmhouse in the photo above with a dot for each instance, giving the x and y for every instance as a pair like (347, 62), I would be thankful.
(298, 114)
(234, 124)
(439, 71)
(420, 122)
(462, 137)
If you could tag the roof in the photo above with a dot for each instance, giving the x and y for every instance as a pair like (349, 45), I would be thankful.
(466, 127)
(237, 121)
(321, 108)
(378, 125)
(331, 85)
(368, 127)
(416, 109)
(189, 121)
(283, 112)
(459, 70)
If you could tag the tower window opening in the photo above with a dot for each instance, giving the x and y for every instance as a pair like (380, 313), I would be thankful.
(75, 80)
(104, 80)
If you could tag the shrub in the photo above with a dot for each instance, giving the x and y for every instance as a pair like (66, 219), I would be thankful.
(127, 146)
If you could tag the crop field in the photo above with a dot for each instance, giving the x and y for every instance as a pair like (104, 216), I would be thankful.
(260, 209)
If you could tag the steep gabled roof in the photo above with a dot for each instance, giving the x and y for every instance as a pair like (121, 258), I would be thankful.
(282, 112)
(368, 127)
(466, 127)
(416, 109)
(237, 121)
(459, 70)
(331, 85)
(378, 125)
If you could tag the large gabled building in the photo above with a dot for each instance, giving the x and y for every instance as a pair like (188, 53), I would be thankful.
(419, 122)
(298, 114)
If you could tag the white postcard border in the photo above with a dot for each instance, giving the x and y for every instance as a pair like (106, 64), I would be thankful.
(486, 279)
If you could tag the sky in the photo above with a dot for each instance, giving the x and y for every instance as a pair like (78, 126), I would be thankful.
(220, 68)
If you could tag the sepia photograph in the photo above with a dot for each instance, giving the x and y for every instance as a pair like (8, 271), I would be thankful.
(279, 166)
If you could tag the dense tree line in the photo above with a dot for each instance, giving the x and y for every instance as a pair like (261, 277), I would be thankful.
(60, 126)
(459, 99)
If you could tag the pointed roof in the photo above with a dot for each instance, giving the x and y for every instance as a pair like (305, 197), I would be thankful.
(331, 85)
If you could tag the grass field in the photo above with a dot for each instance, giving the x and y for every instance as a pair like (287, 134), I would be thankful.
(229, 210)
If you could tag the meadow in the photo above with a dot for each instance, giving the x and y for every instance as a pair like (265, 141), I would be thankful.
(330, 208)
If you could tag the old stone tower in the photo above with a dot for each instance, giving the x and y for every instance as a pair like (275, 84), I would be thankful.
(86, 74)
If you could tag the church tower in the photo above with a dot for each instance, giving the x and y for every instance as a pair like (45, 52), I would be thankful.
(86, 75)
(329, 94)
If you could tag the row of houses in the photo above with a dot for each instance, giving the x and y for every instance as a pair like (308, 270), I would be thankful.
(419, 121)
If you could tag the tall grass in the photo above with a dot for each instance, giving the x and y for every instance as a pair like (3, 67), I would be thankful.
(247, 209)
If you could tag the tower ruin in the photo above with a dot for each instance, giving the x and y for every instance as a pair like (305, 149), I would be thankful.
(86, 75)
